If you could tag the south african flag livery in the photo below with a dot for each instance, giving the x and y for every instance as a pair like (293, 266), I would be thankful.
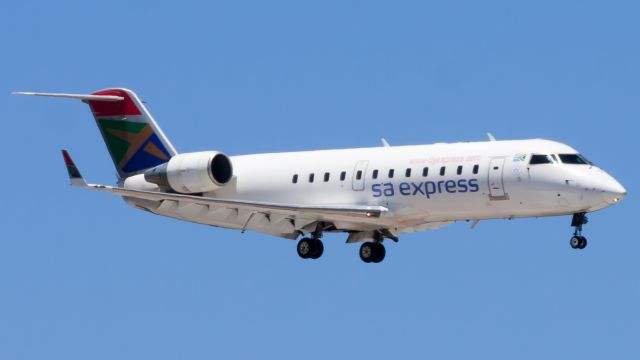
(73, 171)
(132, 137)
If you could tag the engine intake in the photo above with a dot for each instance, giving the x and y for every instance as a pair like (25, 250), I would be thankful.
(193, 172)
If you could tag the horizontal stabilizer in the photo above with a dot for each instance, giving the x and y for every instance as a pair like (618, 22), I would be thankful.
(134, 140)
(84, 97)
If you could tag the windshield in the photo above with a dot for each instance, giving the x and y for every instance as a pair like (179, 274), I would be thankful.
(541, 159)
(574, 159)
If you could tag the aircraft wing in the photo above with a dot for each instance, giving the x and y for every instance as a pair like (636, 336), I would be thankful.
(284, 220)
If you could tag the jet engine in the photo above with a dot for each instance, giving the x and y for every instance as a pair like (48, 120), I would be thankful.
(192, 172)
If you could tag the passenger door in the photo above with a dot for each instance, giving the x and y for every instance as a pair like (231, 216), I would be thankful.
(496, 179)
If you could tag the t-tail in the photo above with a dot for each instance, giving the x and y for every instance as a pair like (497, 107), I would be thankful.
(134, 140)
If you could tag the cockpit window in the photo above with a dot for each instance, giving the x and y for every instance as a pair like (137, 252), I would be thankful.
(541, 159)
(574, 159)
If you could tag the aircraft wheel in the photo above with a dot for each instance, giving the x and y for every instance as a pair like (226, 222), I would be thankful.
(380, 252)
(583, 242)
(578, 242)
(367, 252)
(317, 249)
(575, 242)
(372, 252)
(305, 248)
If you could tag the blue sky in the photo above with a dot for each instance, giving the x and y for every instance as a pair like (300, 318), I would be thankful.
(85, 277)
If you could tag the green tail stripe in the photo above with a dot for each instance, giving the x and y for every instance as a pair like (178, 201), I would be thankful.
(117, 146)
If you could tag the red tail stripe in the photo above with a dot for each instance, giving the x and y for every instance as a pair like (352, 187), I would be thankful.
(114, 108)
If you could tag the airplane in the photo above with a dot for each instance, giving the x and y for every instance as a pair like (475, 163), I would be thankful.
(370, 194)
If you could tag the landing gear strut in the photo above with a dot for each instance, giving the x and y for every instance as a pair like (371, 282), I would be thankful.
(577, 240)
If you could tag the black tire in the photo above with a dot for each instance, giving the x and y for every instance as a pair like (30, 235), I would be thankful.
(367, 252)
(575, 242)
(305, 248)
(317, 249)
(583, 242)
(380, 252)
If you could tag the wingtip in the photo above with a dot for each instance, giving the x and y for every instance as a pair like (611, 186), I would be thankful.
(74, 174)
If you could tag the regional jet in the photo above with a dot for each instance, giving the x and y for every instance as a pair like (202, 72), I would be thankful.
(369, 194)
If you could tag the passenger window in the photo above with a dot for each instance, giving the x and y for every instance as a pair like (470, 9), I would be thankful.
(326, 177)
(475, 169)
(359, 175)
(442, 170)
(390, 173)
(295, 179)
(407, 173)
(459, 169)
(375, 174)
(541, 159)
(343, 175)
(425, 171)
(311, 176)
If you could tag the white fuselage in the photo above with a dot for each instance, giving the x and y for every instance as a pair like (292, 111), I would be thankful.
(480, 180)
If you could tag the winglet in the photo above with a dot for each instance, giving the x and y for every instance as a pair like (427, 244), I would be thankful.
(74, 173)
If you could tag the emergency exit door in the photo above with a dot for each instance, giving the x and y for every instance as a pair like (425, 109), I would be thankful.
(359, 173)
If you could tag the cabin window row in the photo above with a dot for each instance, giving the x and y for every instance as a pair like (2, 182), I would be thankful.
(390, 174)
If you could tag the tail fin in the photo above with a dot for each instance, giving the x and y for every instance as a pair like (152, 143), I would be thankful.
(133, 138)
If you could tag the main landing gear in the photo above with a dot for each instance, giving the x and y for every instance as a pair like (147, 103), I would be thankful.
(577, 240)
(311, 248)
(372, 252)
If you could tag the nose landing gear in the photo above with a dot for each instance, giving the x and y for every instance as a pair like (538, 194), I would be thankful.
(577, 240)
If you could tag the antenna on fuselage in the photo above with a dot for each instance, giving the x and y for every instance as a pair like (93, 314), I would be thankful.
(384, 142)
(491, 137)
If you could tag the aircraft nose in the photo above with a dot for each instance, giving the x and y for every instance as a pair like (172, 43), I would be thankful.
(612, 190)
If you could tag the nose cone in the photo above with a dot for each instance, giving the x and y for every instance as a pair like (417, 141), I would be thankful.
(612, 191)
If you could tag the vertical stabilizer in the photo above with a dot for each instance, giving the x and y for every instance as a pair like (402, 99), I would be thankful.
(133, 138)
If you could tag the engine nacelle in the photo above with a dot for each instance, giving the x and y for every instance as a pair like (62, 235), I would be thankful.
(193, 172)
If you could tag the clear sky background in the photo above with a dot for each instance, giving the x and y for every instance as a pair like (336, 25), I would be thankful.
(83, 276)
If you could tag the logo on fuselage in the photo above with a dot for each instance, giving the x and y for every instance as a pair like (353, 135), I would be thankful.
(425, 188)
